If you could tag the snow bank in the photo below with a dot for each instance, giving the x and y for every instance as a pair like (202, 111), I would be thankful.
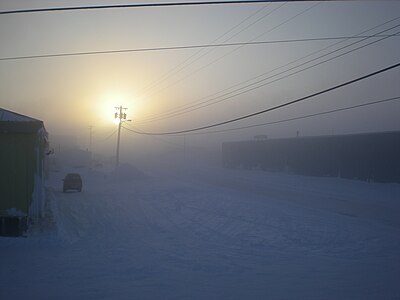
(204, 232)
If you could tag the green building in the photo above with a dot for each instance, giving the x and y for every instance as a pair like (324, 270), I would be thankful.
(23, 146)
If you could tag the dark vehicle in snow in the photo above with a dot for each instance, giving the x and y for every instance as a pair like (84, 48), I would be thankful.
(72, 181)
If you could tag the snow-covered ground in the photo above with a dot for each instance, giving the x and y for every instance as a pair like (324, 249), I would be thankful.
(180, 231)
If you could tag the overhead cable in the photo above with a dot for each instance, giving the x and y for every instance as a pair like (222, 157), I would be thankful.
(148, 5)
(157, 138)
(108, 137)
(192, 58)
(285, 120)
(302, 117)
(277, 106)
(189, 47)
(237, 48)
(262, 83)
(217, 95)
(213, 48)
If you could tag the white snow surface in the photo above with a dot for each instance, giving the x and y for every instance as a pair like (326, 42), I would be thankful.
(203, 232)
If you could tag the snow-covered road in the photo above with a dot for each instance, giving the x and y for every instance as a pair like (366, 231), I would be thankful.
(203, 232)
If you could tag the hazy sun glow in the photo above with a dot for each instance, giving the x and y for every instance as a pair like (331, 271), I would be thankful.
(108, 104)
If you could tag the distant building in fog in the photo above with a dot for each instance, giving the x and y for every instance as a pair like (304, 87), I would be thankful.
(61, 143)
(369, 156)
(67, 152)
(23, 147)
(261, 137)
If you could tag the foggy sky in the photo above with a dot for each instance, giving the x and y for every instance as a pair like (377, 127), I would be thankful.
(71, 93)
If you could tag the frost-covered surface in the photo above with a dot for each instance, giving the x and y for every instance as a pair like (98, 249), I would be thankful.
(202, 232)
(13, 212)
(6, 115)
(38, 195)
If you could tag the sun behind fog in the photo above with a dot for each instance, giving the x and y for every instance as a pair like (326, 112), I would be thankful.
(107, 108)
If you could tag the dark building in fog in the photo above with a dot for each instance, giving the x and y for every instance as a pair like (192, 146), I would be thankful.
(369, 156)
(23, 143)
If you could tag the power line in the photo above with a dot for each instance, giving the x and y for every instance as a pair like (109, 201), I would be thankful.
(302, 117)
(237, 48)
(108, 137)
(148, 5)
(179, 67)
(206, 103)
(289, 119)
(153, 136)
(278, 106)
(189, 47)
(217, 95)
(204, 54)
(262, 83)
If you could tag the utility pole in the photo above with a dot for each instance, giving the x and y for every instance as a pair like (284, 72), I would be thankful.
(184, 148)
(120, 116)
(90, 137)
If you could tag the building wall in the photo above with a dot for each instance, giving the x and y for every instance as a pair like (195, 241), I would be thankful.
(21, 174)
(17, 170)
(36, 209)
(374, 156)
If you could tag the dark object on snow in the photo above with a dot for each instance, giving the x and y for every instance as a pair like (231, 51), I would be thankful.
(13, 226)
(72, 181)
